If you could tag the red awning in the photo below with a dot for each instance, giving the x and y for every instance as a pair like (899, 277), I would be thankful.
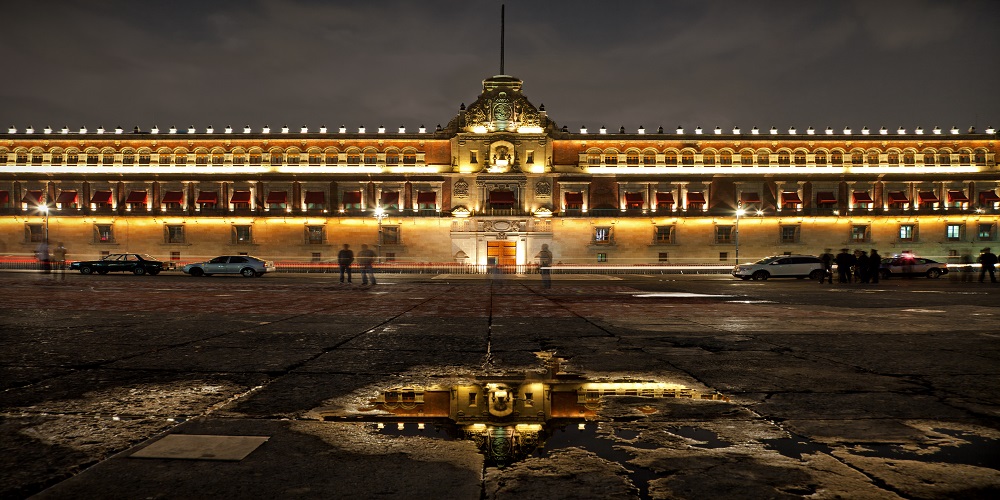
(67, 197)
(426, 197)
(862, 197)
(208, 197)
(33, 196)
(825, 197)
(277, 197)
(136, 197)
(898, 197)
(240, 197)
(750, 197)
(633, 197)
(927, 197)
(696, 197)
(957, 197)
(574, 198)
(664, 198)
(502, 197)
(4, 197)
(390, 198)
(352, 197)
(790, 197)
(101, 197)
(988, 197)
(173, 197)
(315, 197)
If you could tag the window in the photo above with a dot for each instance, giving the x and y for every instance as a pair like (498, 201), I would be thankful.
(907, 232)
(36, 157)
(128, 158)
(390, 235)
(783, 159)
(239, 159)
(725, 158)
(800, 158)
(873, 158)
(909, 159)
(529, 399)
(21, 158)
(763, 158)
(723, 234)
(314, 158)
(472, 399)
(602, 235)
(144, 158)
(857, 158)
(201, 159)
(56, 158)
(593, 158)
(353, 158)
(649, 158)
(315, 235)
(370, 158)
(708, 159)
(602, 257)
(663, 258)
(611, 159)
(632, 158)
(174, 233)
(953, 232)
(670, 159)
(34, 233)
(664, 234)
(723, 256)
(316, 257)
(529, 158)
(332, 158)
(837, 158)
(944, 158)
(174, 256)
(790, 234)
(928, 158)
(291, 157)
(687, 159)
(473, 157)
(104, 233)
(180, 158)
(986, 232)
(860, 233)
(242, 234)
(894, 159)
(746, 158)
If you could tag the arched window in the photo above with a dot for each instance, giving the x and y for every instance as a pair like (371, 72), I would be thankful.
(128, 157)
(726, 158)
(873, 158)
(820, 158)
(800, 158)
(708, 158)
(611, 158)
(687, 159)
(392, 157)
(108, 157)
(315, 158)
(73, 157)
(371, 157)
(277, 157)
(92, 158)
(837, 158)
(239, 158)
(180, 157)
(353, 157)
(980, 157)
(670, 159)
(928, 157)
(332, 158)
(893, 159)
(632, 158)
(909, 159)
(256, 158)
(144, 156)
(409, 158)
(594, 158)
(944, 158)
(36, 157)
(292, 157)
(784, 159)
(857, 158)
(746, 158)
(649, 158)
(201, 158)
(57, 157)
(218, 158)
(964, 157)
(763, 158)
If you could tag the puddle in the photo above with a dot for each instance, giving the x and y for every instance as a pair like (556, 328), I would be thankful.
(678, 295)
(974, 450)
(704, 437)
(751, 302)
(795, 446)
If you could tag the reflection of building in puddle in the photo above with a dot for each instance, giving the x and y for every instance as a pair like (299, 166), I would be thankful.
(510, 417)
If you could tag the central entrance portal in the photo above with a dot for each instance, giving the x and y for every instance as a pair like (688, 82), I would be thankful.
(504, 253)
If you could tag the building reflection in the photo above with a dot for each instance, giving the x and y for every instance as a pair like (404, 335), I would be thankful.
(509, 417)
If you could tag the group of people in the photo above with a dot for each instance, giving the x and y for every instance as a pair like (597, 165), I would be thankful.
(857, 267)
(366, 261)
(56, 259)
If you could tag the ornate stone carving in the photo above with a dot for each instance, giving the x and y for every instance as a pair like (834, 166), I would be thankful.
(543, 189)
(461, 189)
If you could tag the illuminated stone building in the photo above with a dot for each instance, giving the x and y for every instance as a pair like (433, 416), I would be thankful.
(498, 181)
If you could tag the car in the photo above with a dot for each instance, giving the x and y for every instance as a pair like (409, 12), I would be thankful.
(230, 264)
(911, 265)
(781, 266)
(135, 263)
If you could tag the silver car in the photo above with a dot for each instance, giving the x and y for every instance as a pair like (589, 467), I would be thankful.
(231, 264)
(781, 266)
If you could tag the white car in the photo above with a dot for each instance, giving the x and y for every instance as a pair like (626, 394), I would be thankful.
(231, 264)
(781, 266)
(908, 265)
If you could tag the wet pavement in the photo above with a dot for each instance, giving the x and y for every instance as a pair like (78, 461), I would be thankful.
(423, 386)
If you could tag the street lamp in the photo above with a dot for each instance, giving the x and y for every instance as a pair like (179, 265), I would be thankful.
(739, 213)
(379, 215)
(44, 208)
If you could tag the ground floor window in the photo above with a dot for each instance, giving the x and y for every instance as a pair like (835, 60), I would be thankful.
(723, 234)
(723, 256)
(860, 233)
(907, 232)
(174, 233)
(986, 232)
(390, 235)
(790, 234)
(104, 233)
(953, 232)
(315, 235)
(242, 234)
(34, 233)
(602, 234)
(316, 256)
(663, 257)
(602, 257)
(664, 234)
(175, 256)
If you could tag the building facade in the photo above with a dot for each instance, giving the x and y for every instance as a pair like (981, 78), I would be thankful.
(500, 180)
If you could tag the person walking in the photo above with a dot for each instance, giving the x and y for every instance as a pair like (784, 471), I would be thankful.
(366, 257)
(988, 261)
(42, 254)
(827, 259)
(59, 255)
(544, 263)
(344, 259)
(874, 265)
(844, 263)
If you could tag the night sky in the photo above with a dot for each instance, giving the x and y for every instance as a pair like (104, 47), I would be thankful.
(657, 63)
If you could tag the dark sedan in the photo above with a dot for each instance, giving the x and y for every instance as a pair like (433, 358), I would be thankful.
(135, 263)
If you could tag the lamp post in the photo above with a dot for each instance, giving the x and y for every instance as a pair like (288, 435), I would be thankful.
(736, 237)
(379, 215)
(44, 208)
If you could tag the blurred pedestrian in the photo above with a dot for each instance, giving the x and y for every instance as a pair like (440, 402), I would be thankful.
(861, 268)
(59, 257)
(344, 259)
(827, 259)
(42, 255)
(544, 266)
(845, 261)
(988, 261)
(874, 266)
(366, 257)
